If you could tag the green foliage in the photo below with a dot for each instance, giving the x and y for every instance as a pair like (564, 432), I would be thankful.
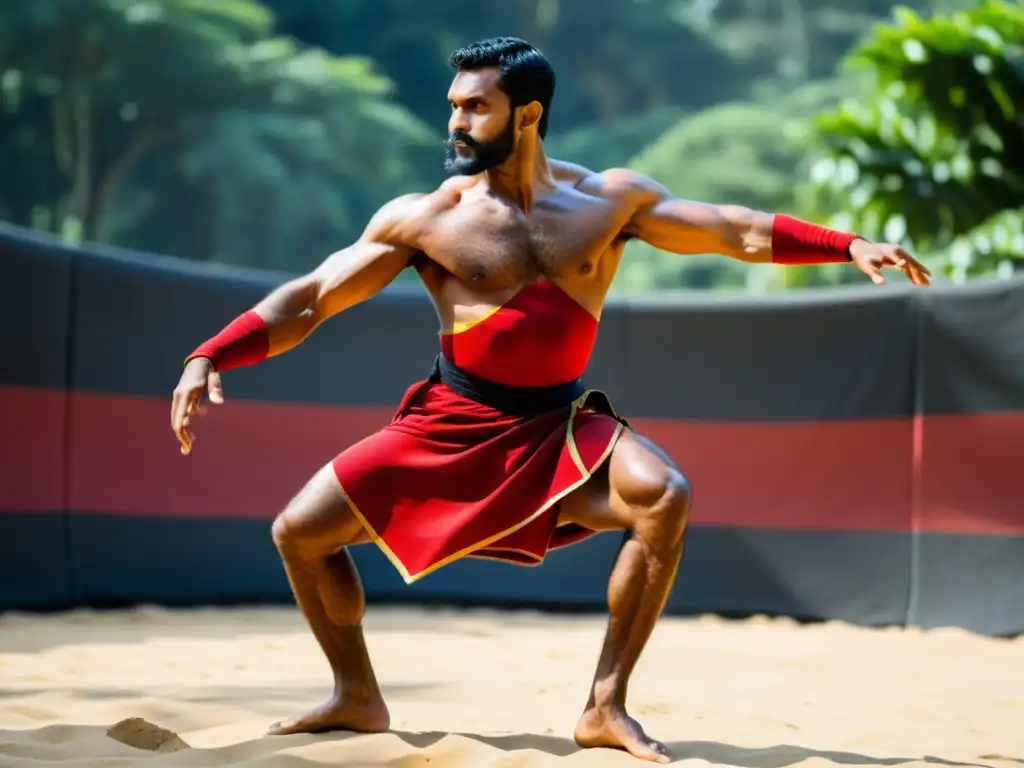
(184, 126)
(936, 157)
(266, 132)
(614, 58)
(612, 144)
(745, 153)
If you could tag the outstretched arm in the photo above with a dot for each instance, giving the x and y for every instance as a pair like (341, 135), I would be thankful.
(292, 311)
(690, 227)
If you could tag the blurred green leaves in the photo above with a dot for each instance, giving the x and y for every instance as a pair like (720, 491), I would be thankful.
(188, 123)
(935, 158)
(266, 132)
(743, 153)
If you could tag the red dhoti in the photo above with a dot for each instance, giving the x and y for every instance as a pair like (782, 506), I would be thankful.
(451, 478)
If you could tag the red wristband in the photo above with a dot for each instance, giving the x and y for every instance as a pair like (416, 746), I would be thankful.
(243, 342)
(797, 242)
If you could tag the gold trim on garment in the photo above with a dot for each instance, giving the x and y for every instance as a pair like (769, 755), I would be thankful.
(494, 553)
(570, 442)
(461, 326)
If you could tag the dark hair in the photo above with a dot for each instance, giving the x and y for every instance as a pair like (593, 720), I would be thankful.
(525, 75)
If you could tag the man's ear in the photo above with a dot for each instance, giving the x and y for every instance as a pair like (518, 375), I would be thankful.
(530, 114)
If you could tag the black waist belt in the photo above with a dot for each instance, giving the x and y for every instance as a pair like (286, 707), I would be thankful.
(519, 401)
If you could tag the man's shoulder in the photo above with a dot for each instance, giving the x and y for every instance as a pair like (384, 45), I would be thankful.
(567, 172)
(612, 183)
(408, 213)
(417, 204)
(625, 181)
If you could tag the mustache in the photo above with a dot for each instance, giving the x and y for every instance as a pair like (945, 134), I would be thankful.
(465, 138)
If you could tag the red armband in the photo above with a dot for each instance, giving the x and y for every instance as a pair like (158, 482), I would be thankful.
(243, 342)
(797, 242)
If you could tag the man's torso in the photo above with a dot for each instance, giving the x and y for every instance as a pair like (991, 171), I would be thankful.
(478, 250)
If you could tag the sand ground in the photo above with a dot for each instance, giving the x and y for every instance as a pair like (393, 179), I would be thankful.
(487, 689)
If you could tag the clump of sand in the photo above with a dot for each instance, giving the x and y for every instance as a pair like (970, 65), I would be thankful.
(141, 734)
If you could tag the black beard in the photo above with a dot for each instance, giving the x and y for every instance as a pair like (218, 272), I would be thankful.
(484, 155)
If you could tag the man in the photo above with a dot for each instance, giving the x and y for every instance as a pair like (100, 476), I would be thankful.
(501, 452)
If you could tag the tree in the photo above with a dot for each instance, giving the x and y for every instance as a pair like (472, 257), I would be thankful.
(613, 58)
(282, 184)
(119, 102)
(104, 68)
(935, 157)
(807, 39)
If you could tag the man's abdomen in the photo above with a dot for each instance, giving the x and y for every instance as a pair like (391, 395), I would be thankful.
(539, 338)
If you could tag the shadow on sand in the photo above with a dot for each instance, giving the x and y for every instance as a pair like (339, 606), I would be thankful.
(151, 739)
(778, 756)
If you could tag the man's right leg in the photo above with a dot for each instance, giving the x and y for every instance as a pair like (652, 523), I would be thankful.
(312, 534)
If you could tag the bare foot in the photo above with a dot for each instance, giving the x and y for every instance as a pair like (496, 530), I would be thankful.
(614, 728)
(337, 715)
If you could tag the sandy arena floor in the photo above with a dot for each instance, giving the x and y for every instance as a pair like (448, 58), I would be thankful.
(483, 689)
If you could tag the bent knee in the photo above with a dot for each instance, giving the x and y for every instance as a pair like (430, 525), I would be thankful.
(317, 521)
(662, 505)
(294, 535)
(285, 533)
(674, 508)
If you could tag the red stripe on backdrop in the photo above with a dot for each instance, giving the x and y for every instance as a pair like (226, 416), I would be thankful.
(251, 457)
(32, 448)
(971, 475)
(248, 460)
(794, 475)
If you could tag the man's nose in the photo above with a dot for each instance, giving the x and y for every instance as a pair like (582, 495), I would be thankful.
(458, 122)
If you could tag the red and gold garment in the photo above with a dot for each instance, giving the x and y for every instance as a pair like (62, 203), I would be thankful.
(452, 477)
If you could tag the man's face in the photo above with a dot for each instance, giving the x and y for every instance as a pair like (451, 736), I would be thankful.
(481, 129)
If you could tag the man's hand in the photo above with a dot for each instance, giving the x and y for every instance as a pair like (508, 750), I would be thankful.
(196, 380)
(872, 258)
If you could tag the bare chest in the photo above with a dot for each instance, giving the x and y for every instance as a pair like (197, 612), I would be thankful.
(491, 245)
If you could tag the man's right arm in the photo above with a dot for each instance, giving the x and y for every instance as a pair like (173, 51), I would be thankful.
(293, 310)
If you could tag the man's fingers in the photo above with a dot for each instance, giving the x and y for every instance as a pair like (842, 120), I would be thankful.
(214, 388)
(178, 410)
(184, 436)
(175, 400)
(916, 271)
(913, 268)
(190, 407)
(187, 441)
(873, 272)
(196, 408)
(184, 439)
(923, 273)
(915, 263)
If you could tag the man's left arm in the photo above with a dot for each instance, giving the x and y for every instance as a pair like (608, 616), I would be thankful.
(690, 227)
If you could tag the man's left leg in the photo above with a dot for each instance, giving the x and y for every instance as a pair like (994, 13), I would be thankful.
(639, 489)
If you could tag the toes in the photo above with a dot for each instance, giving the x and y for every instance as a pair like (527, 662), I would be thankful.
(297, 725)
(650, 750)
(663, 755)
(281, 728)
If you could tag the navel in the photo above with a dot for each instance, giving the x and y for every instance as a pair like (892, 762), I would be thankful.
(585, 268)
